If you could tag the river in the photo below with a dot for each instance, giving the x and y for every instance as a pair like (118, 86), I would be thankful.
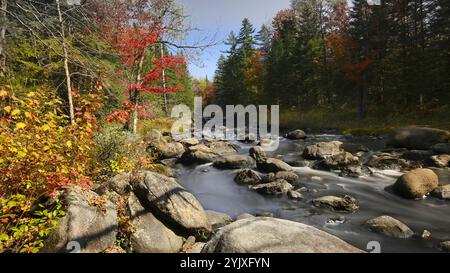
(216, 190)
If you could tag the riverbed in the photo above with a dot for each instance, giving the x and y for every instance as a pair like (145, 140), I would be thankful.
(216, 190)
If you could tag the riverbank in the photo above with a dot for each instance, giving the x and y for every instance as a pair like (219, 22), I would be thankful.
(347, 121)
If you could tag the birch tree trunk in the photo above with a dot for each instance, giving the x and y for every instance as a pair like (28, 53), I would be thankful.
(66, 65)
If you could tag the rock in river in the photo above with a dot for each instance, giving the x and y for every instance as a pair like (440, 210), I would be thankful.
(290, 177)
(271, 235)
(416, 184)
(442, 192)
(445, 246)
(278, 187)
(171, 203)
(389, 226)
(234, 162)
(150, 235)
(94, 227)
(440, 161)
(322, 150)
(346, 203)
(295, 135)
(247, 177)
(273, 165)
(258, 152)
(417, 138)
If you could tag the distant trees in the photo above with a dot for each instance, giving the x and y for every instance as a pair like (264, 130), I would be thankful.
(321, 54)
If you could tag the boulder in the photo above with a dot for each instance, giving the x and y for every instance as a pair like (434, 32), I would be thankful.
(247, 177)
(354, 148)
(278, 187)
(337, 162)
(189, 142)
(417, 138)
(442, 192)
(258, 153)
(93, 227)
(222, 147)
(234, 162)
(271, 235)
(170, 202)
(199, 154)
(389, 226)
(440, 161)
(441, 148)
(334, 203)
(273, 165)
(150, 235)
(218, 219)
(296, 135)
(119, 184)
(290, 177)
(159, 146)
(322, 150)
(416, 184)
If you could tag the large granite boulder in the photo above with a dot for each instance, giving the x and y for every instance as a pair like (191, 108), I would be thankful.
(417, 138)
(271, 235)
(416, 184)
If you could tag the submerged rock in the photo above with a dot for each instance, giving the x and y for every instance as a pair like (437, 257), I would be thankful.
(389, 226)
(334, 203)
(417, 138)
(416, 184)
(247, 177)
(150, 235)
(94, 227)
(234, 162)
(271, 235)
(322, 150)
(171, 203)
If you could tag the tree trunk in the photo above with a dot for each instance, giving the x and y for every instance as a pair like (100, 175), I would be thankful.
(134, 98)
(166, 110)
(66, 65)
(3, 20)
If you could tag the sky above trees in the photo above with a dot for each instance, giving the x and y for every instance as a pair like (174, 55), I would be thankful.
(217, 18)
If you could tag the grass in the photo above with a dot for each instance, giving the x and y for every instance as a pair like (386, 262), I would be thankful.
(348, 122)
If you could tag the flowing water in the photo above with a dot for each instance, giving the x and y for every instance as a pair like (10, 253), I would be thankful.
(216, 190)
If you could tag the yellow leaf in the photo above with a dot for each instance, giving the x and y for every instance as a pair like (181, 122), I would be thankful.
(7, 109)
(15, 112)
(31, 94)
(45, 127)
(69, 144)
(20, 125)
(28, 114)
(3, 93)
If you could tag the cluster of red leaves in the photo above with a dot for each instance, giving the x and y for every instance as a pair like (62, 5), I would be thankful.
(123, 116)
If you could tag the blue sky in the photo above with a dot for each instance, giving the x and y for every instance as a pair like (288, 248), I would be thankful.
(216, 18)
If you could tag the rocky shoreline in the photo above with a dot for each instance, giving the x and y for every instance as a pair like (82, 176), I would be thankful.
(166, 218)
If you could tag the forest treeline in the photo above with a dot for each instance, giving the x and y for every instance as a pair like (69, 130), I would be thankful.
(386, 60)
